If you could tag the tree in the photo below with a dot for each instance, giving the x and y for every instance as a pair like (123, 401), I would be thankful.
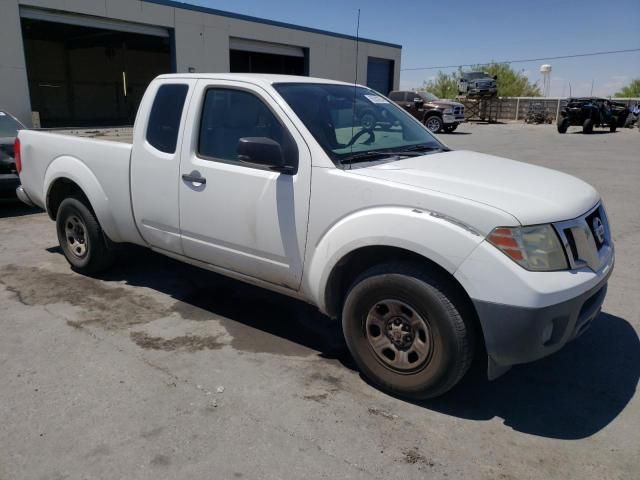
(444, 85)
(511, 83)
(631, 90)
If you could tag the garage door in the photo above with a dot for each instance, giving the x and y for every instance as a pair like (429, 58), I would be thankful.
(252, 56)
(89, 71)
(380, 74)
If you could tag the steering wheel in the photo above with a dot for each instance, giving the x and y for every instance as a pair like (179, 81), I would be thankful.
(354, 139)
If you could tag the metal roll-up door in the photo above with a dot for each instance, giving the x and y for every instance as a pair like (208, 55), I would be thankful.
(93, 22)
(253, 56)
(380, 74)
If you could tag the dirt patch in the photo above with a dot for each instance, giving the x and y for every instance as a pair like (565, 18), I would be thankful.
(111, 307)
(413, 457)
(381, 413)
(257, 321)
(319, 397)
(161, 461)
(190, 343)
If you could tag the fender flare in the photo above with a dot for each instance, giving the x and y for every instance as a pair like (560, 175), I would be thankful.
(70, 168)
(430, 113)
(435, 237)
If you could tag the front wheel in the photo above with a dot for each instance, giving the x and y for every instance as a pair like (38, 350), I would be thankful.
(563, 125)
(81, 238)
(405, 329)
(433, 123)
(451, 127)
(587, 126)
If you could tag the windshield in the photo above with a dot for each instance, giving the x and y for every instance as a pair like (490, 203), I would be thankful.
(475, 75)
(428, 97)
(349, 122)
(8, 125)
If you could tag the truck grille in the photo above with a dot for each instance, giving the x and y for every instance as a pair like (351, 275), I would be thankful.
(458, 110)
(587, 239)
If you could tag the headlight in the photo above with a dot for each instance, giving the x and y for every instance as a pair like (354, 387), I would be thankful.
(448, 111)
(536, 248)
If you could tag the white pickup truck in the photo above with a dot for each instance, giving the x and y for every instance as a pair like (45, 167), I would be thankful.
(423, 253)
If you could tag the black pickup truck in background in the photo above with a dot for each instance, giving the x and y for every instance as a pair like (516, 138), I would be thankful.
(9, 181)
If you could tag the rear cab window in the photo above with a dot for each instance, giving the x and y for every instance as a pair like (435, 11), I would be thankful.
(164, 119)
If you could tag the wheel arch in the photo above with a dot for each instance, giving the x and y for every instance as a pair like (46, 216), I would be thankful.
(431, 113)
(356, 262)
(68, 176)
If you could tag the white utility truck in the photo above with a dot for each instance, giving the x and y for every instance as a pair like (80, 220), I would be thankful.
(423, 253)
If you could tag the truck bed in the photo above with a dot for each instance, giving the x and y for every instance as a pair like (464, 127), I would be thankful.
(101, 164)
(114, 134)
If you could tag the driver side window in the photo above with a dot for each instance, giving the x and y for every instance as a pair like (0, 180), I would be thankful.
(229, 115)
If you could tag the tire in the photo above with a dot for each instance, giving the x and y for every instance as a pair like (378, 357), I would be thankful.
(84, 244)
(429, 309)
(433, 123)
(451, 127)
(613, 127)
(563, 125)
(587, 126)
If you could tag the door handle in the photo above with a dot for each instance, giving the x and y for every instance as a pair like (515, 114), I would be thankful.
(190, 177)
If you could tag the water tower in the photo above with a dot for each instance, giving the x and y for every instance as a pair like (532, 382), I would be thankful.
(545, 70)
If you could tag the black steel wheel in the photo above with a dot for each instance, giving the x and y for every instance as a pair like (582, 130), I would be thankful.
(408, 330)
(81, 238)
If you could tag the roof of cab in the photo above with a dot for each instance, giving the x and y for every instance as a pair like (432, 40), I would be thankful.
(256, 78)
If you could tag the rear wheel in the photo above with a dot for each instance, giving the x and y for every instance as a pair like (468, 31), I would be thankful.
(587, 126)
(81, 238)
(563, 125)
(404, 327)
(433, 123)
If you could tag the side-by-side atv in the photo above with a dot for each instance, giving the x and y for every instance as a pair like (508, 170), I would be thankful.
(590, 112)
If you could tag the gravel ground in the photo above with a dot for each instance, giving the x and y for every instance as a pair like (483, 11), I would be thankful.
(159, 370)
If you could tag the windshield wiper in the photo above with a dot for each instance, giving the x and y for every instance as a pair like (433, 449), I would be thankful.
(412, 151)
(425, 148)
(356, 157)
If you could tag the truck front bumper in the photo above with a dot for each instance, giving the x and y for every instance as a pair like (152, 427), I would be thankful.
(516, 335)
(482, 91)
(449, 119)
(528, 315)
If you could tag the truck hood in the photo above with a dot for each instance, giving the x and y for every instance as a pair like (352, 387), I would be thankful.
(444, 103)
(530, 193)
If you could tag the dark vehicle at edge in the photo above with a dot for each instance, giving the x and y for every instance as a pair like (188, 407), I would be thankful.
(590, 112)
(9, 180)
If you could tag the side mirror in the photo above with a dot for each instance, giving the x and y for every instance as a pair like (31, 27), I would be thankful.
(495, 77)
(418, 102)
(262, 152)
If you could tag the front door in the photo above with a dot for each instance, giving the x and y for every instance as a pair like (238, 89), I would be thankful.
(242, 218)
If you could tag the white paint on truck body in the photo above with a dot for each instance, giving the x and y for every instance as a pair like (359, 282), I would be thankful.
(288, 232)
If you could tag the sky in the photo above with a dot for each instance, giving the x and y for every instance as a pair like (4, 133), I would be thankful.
(434, 33)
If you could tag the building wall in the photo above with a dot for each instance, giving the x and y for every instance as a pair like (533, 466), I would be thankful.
(201, 43)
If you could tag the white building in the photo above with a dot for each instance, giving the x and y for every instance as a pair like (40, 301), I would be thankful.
(87, 62)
